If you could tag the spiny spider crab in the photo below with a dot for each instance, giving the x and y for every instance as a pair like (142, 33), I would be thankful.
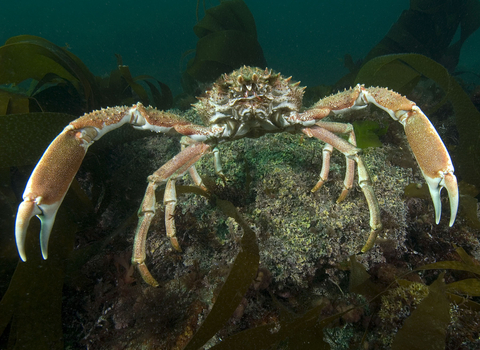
(249, 102)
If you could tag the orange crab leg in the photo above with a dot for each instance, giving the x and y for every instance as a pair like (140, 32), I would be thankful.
(49, 183)
(55, 171)
(337, 128)
(364, 181)
(326, 155)
(427, 146)
(171, 170)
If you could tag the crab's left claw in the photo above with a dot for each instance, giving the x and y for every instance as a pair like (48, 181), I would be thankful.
(435, 185)
(427, 146)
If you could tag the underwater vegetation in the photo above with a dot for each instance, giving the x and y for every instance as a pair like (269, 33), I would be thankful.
(422, 45)
(428, 28)
(58, 76)
(304, 245)
(227, 39)
(266, 265)
(44, 86)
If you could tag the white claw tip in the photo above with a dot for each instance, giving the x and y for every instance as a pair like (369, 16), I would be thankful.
(450, 183)
(435, 185)
(45, 231)
(452, 221)
(26, 210)
(46, 213)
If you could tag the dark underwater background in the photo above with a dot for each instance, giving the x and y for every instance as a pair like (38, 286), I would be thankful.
(418, 288)
(305, 39)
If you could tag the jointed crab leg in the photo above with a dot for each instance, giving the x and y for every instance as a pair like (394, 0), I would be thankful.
(54, 172)
(326, 155)
(192, 171)
(217, 163)
(429, 150)
(426, 144)
(338, 128)
(249, 102)
(170, 202)
(170, 171)
(364, 181)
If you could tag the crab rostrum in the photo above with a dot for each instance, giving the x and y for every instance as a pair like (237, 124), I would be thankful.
(249, 102)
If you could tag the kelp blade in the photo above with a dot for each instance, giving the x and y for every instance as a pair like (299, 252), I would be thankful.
(28, 56)
(360, 281)
(301, 332)
(26, 136)
(367, 133)
(469, 286)
(426, 327)
(451, 265)
(233, 15)
(25, 60)
(31, 308)
(240, 278)
(11, 102)
(227, 40)
(220, 52)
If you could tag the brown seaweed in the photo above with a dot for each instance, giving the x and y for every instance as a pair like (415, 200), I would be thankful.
(426, 327)
(30, 310)
(428, 28)
(242, 273)
(227, 39)
(62, 88)
(54, 69)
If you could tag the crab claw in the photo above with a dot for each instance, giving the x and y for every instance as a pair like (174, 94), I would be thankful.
(27, 210)
(49, 183)
(427, 146)
(435, 185)
(433, 158)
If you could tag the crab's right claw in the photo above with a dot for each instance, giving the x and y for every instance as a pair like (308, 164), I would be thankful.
(435, 185)
(427, 146)
(450, 183)
(27, 210)
(433, 158)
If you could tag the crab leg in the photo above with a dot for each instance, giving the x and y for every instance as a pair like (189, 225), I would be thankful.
(427, 146)
(338, 128)
(55, 171)
(429, 150)
(326, 155)
(170, 171)
(197, 179)
(364, 180)
(170, 202)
